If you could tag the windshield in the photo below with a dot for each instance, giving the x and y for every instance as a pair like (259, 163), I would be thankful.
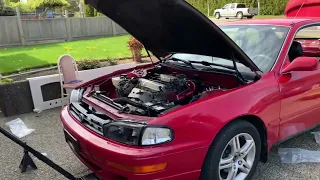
(262, 43)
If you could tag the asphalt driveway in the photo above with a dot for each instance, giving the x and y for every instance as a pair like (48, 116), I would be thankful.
(48, 138)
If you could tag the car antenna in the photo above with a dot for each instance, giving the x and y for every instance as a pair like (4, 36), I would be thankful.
(149, 56)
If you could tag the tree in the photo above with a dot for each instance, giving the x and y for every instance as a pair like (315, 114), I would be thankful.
(74, 6)
(89, 11)
(2, 3)
(48, 4)
(22, 6)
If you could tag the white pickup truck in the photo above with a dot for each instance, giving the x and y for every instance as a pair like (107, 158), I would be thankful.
(237, 10)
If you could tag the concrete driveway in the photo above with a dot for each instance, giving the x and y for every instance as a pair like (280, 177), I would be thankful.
(48, 138)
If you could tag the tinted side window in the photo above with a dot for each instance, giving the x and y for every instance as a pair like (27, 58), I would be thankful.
(309, 38)
(241, 6)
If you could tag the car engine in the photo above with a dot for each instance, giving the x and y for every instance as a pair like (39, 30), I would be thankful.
(156, 94)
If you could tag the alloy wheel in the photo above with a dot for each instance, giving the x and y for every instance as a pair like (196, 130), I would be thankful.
(237, 158)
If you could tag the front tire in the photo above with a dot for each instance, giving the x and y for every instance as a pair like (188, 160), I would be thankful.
(240, 15)
(217, 15)
(234, 154)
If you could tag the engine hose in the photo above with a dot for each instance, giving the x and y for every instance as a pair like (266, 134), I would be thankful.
(128, 101)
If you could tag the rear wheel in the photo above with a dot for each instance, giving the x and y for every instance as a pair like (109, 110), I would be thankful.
(239, 15)
(217, 15)
(234, 154)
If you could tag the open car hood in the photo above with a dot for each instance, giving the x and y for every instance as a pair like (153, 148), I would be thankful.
(171, 26)
(302, 8)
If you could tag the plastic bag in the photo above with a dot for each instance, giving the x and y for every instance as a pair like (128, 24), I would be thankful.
(297, 155)
(316, 136)
(18, 128)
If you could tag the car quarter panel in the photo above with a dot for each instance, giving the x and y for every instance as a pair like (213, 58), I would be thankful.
(196, 125)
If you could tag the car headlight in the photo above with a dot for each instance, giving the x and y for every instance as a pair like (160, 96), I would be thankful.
(127, 133)
(76, 95)
(156, 135)
(137, 134)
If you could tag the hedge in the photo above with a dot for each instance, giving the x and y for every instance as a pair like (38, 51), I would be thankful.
(7, 11)
(268, 7)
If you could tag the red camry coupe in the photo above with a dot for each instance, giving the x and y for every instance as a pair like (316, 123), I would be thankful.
(211, 108)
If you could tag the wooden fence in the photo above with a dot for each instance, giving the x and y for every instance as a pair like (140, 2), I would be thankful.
(17, 31)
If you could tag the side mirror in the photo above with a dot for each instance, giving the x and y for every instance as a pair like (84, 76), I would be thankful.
(302, 64)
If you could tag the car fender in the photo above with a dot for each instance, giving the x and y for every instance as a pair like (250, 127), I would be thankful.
(217, 10)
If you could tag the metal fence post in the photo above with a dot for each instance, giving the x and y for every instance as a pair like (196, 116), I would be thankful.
(23, 42)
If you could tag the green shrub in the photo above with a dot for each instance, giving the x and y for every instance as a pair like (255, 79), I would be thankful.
(88, 64)
(7, 11)
(6, 80)
(77, 14)
(112, 61)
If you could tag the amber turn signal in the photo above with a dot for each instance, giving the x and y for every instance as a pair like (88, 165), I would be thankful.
(138, 169)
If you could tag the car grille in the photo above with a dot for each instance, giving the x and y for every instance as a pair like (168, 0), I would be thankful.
(89, 117)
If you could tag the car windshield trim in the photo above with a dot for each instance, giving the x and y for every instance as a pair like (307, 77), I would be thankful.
(263, 51)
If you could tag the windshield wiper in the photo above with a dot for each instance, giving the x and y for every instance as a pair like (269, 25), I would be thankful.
(234, 68)
(206, 63)
(184, 61)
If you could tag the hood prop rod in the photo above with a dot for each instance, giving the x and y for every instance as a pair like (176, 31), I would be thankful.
(149, 56)
(241, 79)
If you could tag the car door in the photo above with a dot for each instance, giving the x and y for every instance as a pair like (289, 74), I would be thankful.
(300, 101)
(225, 10)
(232, 11)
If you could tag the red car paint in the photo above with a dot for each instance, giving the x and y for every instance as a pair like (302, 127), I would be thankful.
(279, 103)
(302, 8)
(311, 47)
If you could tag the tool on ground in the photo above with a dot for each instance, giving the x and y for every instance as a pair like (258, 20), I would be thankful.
(28, 162)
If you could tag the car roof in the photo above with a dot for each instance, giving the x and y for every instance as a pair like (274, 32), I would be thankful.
(275, 21)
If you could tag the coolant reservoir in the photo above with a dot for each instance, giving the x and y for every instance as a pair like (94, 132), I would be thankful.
(115, 81)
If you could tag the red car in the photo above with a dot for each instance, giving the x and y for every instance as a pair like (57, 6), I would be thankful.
(211, 108)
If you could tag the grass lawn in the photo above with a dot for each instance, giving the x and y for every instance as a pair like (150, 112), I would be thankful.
(20, 58)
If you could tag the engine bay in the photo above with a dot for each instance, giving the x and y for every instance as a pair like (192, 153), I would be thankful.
(153, 92)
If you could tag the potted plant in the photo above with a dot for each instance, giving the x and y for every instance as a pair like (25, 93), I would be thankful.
(135, 48)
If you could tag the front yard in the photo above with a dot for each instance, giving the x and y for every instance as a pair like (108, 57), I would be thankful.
(16, 59)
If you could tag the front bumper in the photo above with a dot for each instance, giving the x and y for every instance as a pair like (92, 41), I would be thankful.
(97, 151)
